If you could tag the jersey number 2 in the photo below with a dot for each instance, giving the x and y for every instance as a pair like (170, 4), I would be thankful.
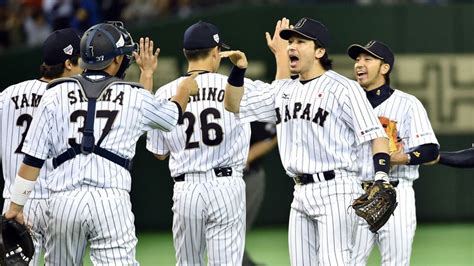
(206, 128)
(19, 122)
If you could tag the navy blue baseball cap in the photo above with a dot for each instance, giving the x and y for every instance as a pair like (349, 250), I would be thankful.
(61, 45)
(311, 29)
(202, 35)
(375, 48)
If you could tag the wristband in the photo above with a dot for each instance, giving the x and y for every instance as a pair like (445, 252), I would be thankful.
(21, 190)
(236, 76)
(381, 176)
(381, 162)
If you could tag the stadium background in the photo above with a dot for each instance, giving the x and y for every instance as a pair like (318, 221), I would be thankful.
(434, 47)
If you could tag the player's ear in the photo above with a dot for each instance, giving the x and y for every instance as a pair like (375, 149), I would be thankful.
(385, 68)
(68, 64)
(319, 53)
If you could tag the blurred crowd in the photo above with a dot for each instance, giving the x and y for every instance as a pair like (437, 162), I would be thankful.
(29, 22)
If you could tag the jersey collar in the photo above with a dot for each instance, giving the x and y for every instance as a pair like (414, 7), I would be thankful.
(379, 95)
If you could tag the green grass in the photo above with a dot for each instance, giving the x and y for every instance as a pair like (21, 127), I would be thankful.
(434, 245)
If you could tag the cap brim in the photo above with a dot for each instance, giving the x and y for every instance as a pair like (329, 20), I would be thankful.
(225, 46)
(96, 66)
(287, 33)
(356, 49)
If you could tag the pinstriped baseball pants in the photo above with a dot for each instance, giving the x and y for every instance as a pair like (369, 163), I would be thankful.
(322, 224)
(209, 215)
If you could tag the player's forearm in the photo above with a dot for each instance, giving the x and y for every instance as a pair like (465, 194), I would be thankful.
(182, 96)
(283, 66)
(29, 172)
(146, 79)
(234, 90)
(460, 159)
(380, 145)
(232, 98)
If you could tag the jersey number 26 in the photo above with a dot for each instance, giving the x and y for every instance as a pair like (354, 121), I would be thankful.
(206, 128)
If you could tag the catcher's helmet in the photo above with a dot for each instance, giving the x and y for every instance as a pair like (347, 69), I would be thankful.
(104, 41)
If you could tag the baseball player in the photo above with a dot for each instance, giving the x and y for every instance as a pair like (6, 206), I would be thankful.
(18, 103)
(208, 151)
(89, 125)
(412, 142)
(320, 118)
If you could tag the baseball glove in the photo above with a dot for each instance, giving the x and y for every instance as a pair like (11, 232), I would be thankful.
(376, 205)
(16, 243)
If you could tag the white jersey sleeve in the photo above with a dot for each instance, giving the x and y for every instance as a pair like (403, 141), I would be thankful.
(359, 114)
(258, 101)
(418, 127)
(155, 139)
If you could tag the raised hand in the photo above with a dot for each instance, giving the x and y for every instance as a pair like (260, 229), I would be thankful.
(276, 43)
(237, 58)
(146, 58)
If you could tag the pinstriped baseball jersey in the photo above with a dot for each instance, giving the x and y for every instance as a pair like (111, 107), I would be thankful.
(330, 112)
(413, 127)
(123, 113)
(18, 103)
(213, 138)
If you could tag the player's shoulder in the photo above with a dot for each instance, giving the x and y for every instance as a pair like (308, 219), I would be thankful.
(32, 84)
(341, 80)
(404, 96)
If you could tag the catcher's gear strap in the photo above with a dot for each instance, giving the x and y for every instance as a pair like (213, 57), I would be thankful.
(93, 89)
(461, 159)
(424, 153)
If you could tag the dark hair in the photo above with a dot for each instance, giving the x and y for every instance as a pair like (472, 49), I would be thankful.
(197, 54)
(55, 71)
(387, 76)
(325, 62)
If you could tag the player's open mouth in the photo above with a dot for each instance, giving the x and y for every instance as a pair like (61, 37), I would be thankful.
(293, 60)
(361, 74)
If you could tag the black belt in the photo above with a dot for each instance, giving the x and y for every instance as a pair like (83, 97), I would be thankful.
(366, 184)
(304, 179)
(220, 172)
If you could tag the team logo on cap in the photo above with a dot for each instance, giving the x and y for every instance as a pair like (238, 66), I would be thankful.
(120, 42)
(300, 23)
(68, 50)
(216, 37)
(368, 45)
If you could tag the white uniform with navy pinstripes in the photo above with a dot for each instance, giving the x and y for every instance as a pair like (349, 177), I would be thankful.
(396, 237)
(209, 211)
(17, 106)
(90, 194)
(321, 224)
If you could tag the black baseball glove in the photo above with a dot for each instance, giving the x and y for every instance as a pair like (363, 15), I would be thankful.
(16, 243)
(377, 204)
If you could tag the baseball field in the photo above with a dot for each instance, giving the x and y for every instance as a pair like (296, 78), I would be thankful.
(446, 244)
